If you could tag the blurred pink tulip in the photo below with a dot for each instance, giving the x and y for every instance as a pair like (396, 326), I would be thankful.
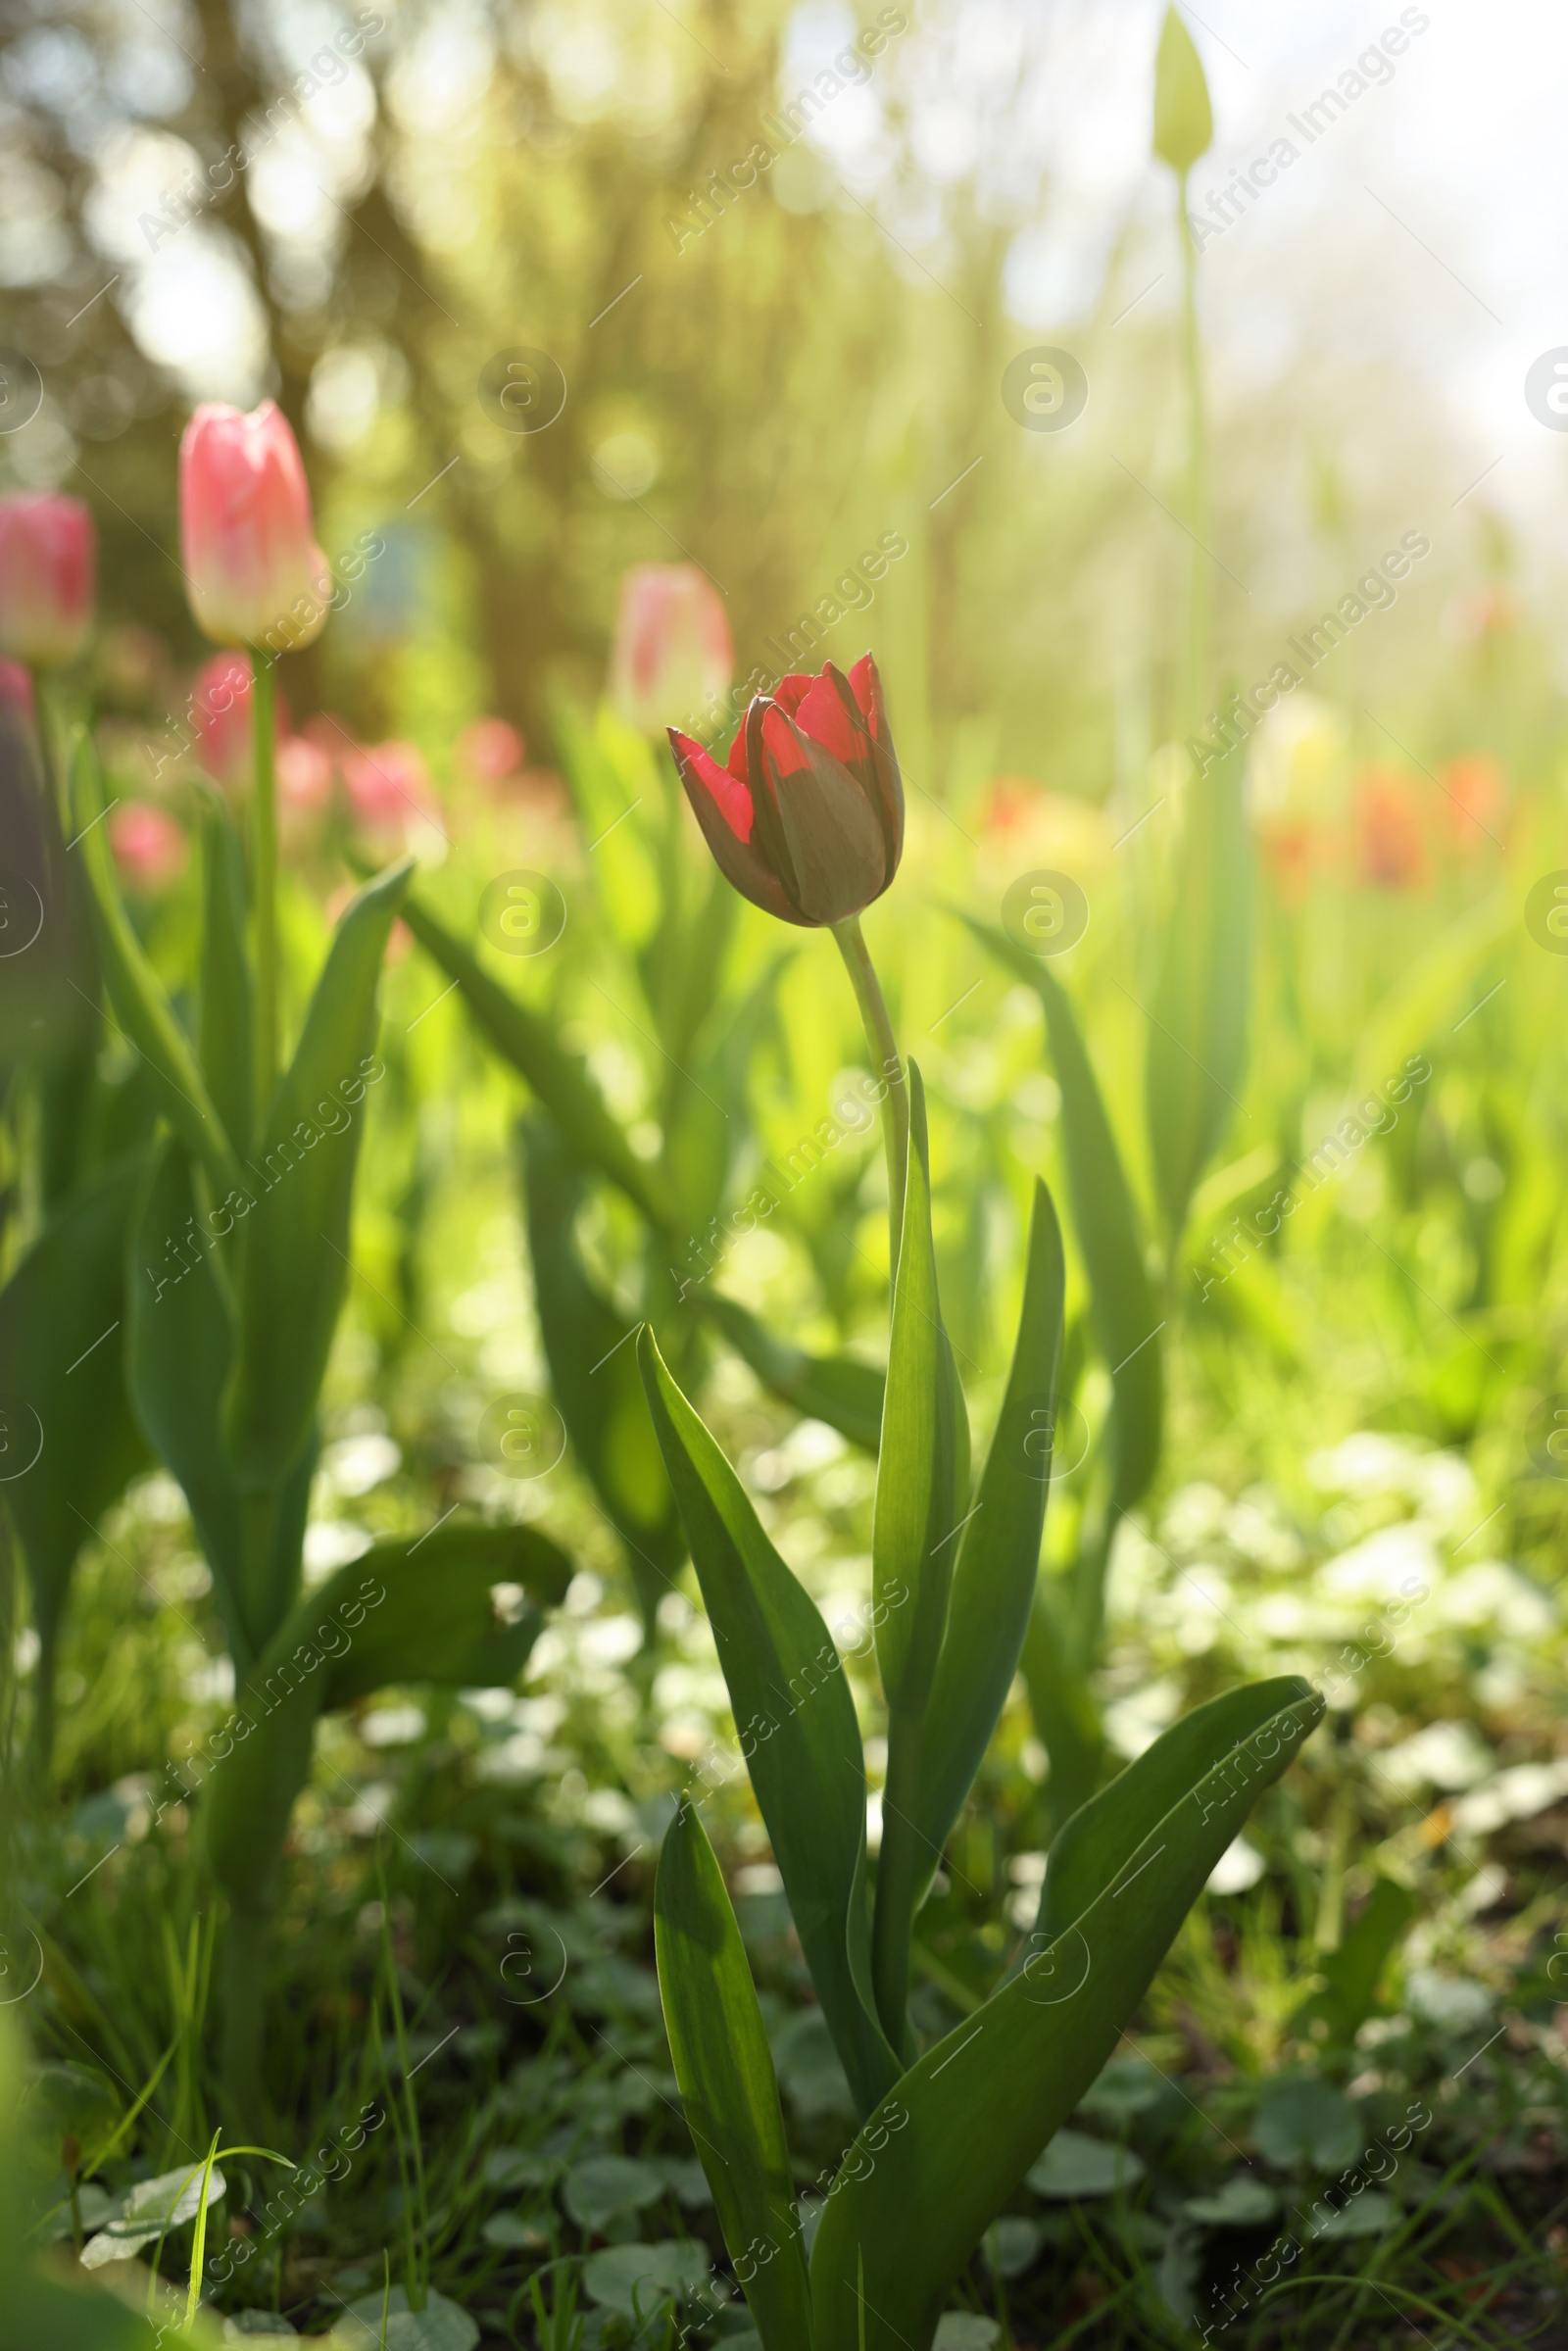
(253, 570)
(149, 847)
(489, 751)
(220, 707)
(304, 783)
(389, 790)
(48, 560)
(672, 653)
(16, 690)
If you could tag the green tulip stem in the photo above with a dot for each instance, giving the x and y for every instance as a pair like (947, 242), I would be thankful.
(888, 1070)
(264, 881)
(1198, 521)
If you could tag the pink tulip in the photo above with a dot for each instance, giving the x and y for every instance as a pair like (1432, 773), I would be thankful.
(389, 790)
(48, 557)
(220, 707)
(304, 784)
(489, 751)
(672, 653)
(15, 691)
(149, 847)
(253, 570)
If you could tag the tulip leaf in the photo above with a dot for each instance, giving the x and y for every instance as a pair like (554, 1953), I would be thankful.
(914, 1529)
(1183, 122)
(729, 2092)
(835, 1389)
(227, 1033)
(952, 2140)
(179, 1353)
(145, 1012)
(417, 1610)
(794, 1720)
(611, 772)
(294, 1257)
(593, 1373)
(1198, 1017)
(1122, 1300)
(68, 1440)
(995, 1573)
(526, 1039)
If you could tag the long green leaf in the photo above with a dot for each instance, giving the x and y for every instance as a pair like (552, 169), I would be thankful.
(1122, 1300)
(225, 1036)
(951, 2143)
(727, 2083)
(526, 1039)
(914, 1531)
(69, 1443)
(593, 1372)
(420, 1610)
(294, 1258)
(795, 1719)
(999, 1556)
(835, 1389)
(1197, 1019)
(145, 1012)
(179, 1355)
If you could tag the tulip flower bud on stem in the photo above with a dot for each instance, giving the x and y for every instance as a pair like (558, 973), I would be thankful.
(264, 882)
(889, 1071)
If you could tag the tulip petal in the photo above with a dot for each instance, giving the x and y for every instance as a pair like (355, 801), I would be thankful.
(834, 851)
(880, 764)
(722, 804)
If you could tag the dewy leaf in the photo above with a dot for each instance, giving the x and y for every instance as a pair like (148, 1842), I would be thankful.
(593, 1372)
(68, 1440)
(143, 1008)
(1184, 124)
(835, 1389)
(420, 1609)
(525, 1039)
(951, 2143)
(727, 2084)
(1122, 1300)
(149, 2211)
(225, 1032)
(794, 1720)
(1198, 1017)
(294, 1259)
(999, 1555)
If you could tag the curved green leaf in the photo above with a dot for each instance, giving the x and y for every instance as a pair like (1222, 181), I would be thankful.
(144, 1009)
(795, 1719)
(1122, 1300)
(999, 1556)
(593, 1372)
(952, 2140)
(418, 1610)
(727, 2084)
(294, 1263)
(526, 1039)
(835, 1389)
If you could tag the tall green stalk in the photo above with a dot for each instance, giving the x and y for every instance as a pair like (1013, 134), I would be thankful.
(888, 1070)
(263, 879)
(1201, 586)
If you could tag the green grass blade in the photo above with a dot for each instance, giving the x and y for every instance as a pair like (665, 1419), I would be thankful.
(835, 1389)
(795, 1719)
(998, 1554)
(952, 2141)
(294, 1260)
(727, 2084)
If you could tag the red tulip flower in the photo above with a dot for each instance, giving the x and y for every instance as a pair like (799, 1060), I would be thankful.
(253, 570)
(807, 816)
(48, 553)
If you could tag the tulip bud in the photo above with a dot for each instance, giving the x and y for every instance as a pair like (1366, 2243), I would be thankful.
(253, 570)
(149, 847)
(1184, 124)
(220, 707)
(47, 561)
(672, 653)
(806, 818)
(391, 794)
